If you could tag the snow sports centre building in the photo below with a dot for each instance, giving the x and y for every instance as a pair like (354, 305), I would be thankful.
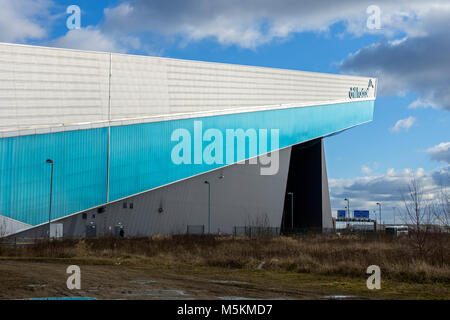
(105, 144)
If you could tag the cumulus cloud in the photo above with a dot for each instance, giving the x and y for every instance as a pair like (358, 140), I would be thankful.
(255, 22)
(402, 61)
(440, 152)
(365, 192)
(23, 20)
(403, 124)
(413, 63)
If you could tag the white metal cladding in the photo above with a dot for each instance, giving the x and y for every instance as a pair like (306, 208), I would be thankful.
(44, 86)
(49, 87)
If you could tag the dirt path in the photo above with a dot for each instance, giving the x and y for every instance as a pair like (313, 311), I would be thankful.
(23, 279)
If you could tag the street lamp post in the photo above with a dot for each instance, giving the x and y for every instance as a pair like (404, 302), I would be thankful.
(348, 207)
(209, 206)
(379, 207)
(393, 208)
(292, 209)
(51, 191)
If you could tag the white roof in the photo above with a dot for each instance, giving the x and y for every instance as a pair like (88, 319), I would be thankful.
(48, 89)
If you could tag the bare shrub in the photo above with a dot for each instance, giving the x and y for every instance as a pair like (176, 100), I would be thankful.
(417, 213)
(441, 208)
(259, 226)
(348, 255)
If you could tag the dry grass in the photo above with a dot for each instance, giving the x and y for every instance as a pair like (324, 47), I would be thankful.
(348, 255)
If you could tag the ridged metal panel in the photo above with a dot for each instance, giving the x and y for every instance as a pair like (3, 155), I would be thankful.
(141, 154)
(138, 87)
(201, 86)
(47, 87)
(140, 157)
(79, 174)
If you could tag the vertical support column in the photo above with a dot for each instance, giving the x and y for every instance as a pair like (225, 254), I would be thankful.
(308, 182)
(327, 223)
(109, 129)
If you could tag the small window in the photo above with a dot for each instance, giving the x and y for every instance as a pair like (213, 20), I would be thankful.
(131, 205)
(124, 205)
(84, 216)
(93, 216)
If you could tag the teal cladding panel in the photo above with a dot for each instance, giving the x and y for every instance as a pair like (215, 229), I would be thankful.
(140, 156)
(79, 181)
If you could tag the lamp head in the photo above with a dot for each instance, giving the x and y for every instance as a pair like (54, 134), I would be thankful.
(49, 161)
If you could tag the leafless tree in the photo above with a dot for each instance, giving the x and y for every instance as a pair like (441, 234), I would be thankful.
(441, 207)
(417, 213)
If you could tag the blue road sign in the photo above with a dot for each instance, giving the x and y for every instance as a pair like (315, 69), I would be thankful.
(341, 213)
(361, 214)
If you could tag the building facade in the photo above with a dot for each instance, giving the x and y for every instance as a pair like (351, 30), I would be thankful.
(153, 145)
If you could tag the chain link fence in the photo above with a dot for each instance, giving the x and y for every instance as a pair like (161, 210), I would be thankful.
(255, 232)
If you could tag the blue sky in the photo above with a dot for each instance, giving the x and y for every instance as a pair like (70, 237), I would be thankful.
(409, 53)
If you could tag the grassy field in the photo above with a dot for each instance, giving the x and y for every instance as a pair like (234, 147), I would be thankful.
(210, 267)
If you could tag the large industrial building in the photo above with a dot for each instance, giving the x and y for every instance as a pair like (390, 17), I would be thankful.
(113, 144)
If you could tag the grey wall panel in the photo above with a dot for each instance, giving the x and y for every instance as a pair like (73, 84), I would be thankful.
(327, 222)
(240, 198)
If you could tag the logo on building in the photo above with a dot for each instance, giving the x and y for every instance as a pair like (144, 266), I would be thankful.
(356, 92)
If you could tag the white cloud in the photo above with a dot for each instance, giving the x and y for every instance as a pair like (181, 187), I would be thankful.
(89, 38)
(414, 65)
(255, 22)
(420, 103)
(23, 20)
(413, 62)
(402, 61)
(364, 192)
(369, 168)
(403, 124)
(440, 152)
(366, 169)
